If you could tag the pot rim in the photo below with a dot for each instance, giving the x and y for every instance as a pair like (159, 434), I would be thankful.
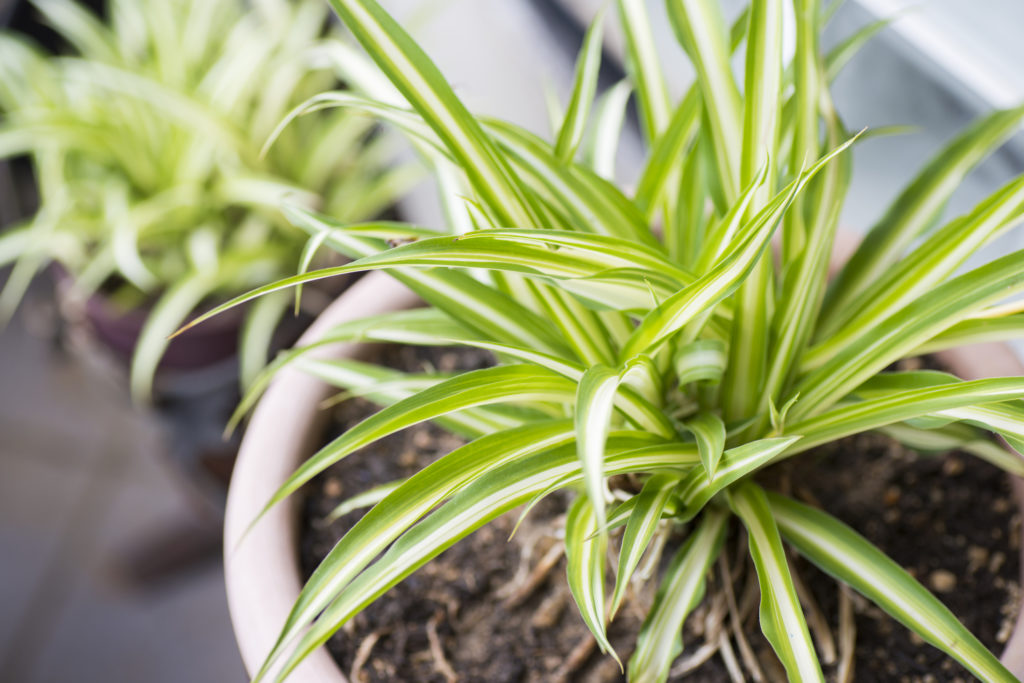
(262, 573)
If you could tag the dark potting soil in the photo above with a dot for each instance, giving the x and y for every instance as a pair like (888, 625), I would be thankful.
(497, 611)
(951, 521)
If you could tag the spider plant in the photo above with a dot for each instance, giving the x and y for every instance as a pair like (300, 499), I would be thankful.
(656, 332)
(146, 144)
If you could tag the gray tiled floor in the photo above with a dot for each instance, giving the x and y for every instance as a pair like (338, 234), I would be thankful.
(82, 482)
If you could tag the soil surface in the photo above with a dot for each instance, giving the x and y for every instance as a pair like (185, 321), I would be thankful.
(497, 611)
(950, 520)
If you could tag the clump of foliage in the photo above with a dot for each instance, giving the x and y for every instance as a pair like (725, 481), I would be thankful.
(146, 139)
(654, 332)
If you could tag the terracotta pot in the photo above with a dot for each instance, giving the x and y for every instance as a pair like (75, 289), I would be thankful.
(262, 570)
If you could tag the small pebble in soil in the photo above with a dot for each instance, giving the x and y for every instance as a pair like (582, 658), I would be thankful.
(977, 557)
(332, 487)
(952, 466)
(892, 496)
(942, 581)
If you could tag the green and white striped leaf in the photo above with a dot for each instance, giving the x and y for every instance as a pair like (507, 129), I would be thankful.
(813, 224)
(605, 134)
(697, 488)
(726, 275)
(585, 551)
(917, 207)
(762, 83)
(666, 149)
(596, 397)
(421, 83)
(974, 330)
(721, 233)
(782, 618)
(483, 309)
(402, 118)
(428, 327)
(366, 499)
(701, 360)
(502, 384)
(309, 251)
(850, 558)
(660, 640)
(701, 30)
(901, 406)
(588, 67)
(622, 313)
(957, 437)
(499, 490)
(593, 203)
(413, 499)
(418, 326)
(257, 335)
(919, 321)
(386, 387)
(644, 67)
(926, 266)
(594, 401)
(642, 515)
(564, 255)
(669, 146)
(709, 431)
(840, 55)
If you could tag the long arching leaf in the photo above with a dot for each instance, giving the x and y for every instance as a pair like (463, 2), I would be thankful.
(498, 491)
(682, 589)
(410, 70)
(782, 618)
(849, 557)
(641, 523)
(914, 211)
(406, 505)
(585, 550)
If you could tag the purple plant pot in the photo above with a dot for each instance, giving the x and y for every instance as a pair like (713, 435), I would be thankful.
(119, 330)
(202, 346)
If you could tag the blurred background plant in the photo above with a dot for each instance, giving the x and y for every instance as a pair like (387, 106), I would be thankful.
(146, 142)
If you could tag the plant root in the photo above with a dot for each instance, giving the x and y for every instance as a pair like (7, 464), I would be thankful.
(653, 556)
(751, 597)
(520, 590)
(577, 658)
(694, 661)
(355, 674)
(547, 612)
(729, 657)
(847, 636)
(440, 661)
(711, 629)
(736, 622)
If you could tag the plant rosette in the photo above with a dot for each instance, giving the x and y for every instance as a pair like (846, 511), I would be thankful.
(650, 333)
(262, 570)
